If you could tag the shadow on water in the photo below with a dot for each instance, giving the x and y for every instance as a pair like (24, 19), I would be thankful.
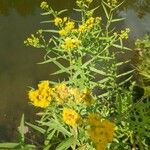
(18, 68)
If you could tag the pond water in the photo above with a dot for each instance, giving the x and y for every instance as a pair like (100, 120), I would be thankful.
(18, 64)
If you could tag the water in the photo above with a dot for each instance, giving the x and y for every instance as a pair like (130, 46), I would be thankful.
(18, 68)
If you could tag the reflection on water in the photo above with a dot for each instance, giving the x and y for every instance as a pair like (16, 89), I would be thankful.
(18, 68)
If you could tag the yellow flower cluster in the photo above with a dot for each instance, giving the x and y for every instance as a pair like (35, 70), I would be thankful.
(61, 93)
(32, 41)
(81, 96)
(58, 21)
(124, 33)
(70, 43)
(112, 3)
(71, 117)
(100, 131)
(42, 96)
(89, 24)
(69, 26)
(44, 5)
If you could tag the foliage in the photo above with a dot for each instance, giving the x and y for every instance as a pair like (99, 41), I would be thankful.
(92, 108)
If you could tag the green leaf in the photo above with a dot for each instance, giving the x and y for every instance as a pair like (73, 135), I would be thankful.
(49, 60)
(59, 127)
(62, 11)
(51, 134)
(30, 146)
(121, 47)
(103, 95)
(49, 21)
(78, 10)
(37, 128)
(98, 71)
(22, 128)
(124, 74)
(66, 143)
(118, 5)
(116, 20)
(50, 31)
(125, 81)
(105, 10)
(46, 13)
(122, 63)
(9, 145)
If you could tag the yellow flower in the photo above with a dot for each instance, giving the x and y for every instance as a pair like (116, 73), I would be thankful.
(93, 119)
(62, 32)
(61, 93)
(57, 21)
(124, 33)
(70, 43)
(82, 28)
(44, 6)
(32, 41)
(86, 96)
(65, 19)
(100, 131)
(42, 96)
(71, 117)
(90, 21)
(69, 25)
(112, 3)
(98, 19)
(100, 146)
(75, 94)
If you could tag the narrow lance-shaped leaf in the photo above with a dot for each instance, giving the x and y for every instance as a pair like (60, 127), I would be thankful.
(105, 10)
(62, 11)
(66, 143)
(22, 128)
(98, 71)
(9, 145)
(50, 31)
(124, 74)
(37, 128)
(121, 47)
(118, 19)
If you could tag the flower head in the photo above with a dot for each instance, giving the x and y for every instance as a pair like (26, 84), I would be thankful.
(70, 43)
(61, 93)
(42, 96)
(44, 6)
(32, 41)
(58, 21)
(100, 131)
(71, 117)
(124, 33)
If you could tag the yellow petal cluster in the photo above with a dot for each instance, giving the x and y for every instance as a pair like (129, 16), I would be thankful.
(58, 21)
(112, 3)
(71, 117)
(100, 131)
(70, 43)
(69, 26)
(32, 41)
(42, 96)
(124, 33)
(44, 5)
(89, 24)
(61, 93)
